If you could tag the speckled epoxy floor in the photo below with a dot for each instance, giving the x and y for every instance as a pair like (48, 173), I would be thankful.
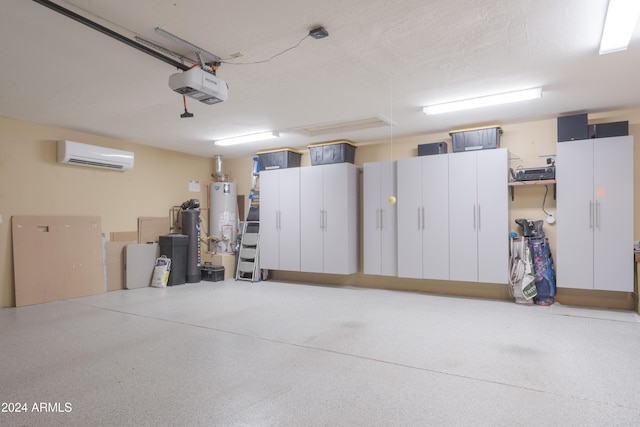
(278, 354)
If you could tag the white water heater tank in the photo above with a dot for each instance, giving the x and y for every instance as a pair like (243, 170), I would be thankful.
(223, 216)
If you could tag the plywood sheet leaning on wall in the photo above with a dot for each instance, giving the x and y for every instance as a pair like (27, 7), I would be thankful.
(56, 258)
(151, 228)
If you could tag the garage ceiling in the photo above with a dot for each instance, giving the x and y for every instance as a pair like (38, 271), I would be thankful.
(382, 60)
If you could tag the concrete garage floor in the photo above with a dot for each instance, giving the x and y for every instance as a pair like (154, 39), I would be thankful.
(281, 354)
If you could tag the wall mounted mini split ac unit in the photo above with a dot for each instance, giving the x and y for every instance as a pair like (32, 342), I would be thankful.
(75, 153)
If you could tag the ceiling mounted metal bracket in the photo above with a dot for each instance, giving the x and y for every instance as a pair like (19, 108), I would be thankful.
(198, 50)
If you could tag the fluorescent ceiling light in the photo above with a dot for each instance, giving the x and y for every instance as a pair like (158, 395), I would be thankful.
(484, 101)
(622, 16)
(247, 138)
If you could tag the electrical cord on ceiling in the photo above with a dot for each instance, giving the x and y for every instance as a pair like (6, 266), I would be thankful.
(226, 61)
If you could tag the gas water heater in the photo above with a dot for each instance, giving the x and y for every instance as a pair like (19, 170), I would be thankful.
(223, 218)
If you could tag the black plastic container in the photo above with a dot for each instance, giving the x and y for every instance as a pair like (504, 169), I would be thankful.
(431, 149)
(572, 128)
(328, 153)
(174, 246)
(607, 130)
(475, 139)
(279, 159)
(212, 273)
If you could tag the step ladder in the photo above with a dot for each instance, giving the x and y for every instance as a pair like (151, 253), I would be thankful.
(248, 268)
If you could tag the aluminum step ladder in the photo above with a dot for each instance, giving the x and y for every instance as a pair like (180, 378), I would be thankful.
(248, 268)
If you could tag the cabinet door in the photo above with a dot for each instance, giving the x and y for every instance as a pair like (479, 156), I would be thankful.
(311, 219)
(289, 219)
(493, 216)
(613, 214)
(269, 205)
(388, 220)
(435, 223)
(463, 217)
(409, 180)
(372, 177)
(575, 210)
(379, 217)
(336, 218)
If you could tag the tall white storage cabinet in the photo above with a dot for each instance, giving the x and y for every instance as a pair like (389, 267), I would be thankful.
(280, 219)
(423, 217)
(595, 214)
(379, 217)
(479, 216)
(329, 218)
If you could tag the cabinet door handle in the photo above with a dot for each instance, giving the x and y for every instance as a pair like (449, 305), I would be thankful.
(325, 219)
(423, 217)
(479, 218)
(418, 218)
(279, 220)
(590, 215)
(474, 217)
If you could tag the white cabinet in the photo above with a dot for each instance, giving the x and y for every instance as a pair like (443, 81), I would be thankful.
(379, 219)
(423, 217)
(595, 214)
(280, 219)
(479, 216)
(329, 218)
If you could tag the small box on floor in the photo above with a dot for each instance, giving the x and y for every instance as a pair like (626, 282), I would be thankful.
(212, 273)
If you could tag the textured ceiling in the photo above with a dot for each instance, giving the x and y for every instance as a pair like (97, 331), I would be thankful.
(382, 59)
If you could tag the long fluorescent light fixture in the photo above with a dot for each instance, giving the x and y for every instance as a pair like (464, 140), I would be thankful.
(247, 138)
(484, 101)
(622, 16)
(182, 42)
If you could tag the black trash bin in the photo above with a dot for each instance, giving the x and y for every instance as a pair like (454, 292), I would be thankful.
(174, 246)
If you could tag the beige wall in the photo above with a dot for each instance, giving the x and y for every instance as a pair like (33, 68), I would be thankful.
(31, 182)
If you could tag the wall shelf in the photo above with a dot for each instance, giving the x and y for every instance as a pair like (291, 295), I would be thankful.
(513, 184)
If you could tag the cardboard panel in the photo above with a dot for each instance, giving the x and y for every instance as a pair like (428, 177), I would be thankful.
(124, 236)
(150, 229)
(56, 257)
(140, 259)
(115, 265)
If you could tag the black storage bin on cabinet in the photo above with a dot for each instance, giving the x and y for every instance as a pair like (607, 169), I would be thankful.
(431, 149)
(327, 153)
(279, 159)
(608, 130)
(572, 128)
(475, 139)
